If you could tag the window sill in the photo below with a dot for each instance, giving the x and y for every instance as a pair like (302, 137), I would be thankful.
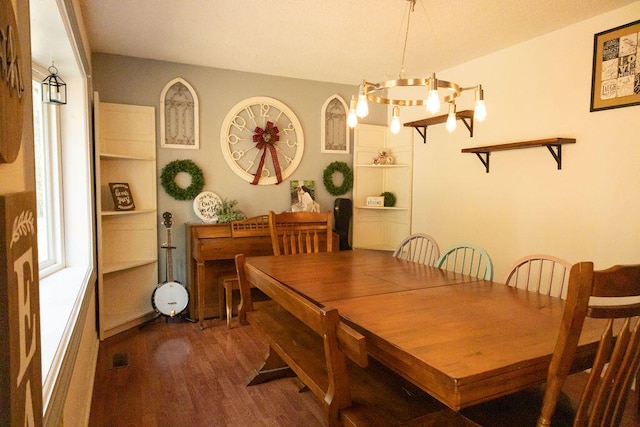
(61, 296)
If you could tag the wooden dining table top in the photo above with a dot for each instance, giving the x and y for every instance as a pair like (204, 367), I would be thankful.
(462, 339)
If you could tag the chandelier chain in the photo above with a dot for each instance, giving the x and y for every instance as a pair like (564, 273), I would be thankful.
(406, 36)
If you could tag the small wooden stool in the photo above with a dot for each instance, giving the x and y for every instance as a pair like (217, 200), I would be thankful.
(225, 296)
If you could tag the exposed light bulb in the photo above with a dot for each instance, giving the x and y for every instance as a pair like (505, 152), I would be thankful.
(480, 111)
(451, 118)
(433, 102)
(352, 118)
(395, 121)
(362, 107)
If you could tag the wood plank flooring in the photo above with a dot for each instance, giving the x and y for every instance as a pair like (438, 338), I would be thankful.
(178, 375)
(170, 373)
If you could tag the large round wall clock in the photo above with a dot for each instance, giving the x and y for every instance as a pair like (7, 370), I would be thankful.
(262, 140)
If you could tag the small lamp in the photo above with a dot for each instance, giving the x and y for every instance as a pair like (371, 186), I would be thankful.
(54, 89)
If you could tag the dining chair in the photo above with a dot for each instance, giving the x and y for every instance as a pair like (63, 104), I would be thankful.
(544, 274)
(419, 247)
(227, 283)
(467, 259)
(611, 295)
(301, 232)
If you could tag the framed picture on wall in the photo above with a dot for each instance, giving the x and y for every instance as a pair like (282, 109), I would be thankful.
(616, 68)
(334, 128)
(303, 196)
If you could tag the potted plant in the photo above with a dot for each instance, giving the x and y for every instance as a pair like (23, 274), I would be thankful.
(226, 211)
(389, 199)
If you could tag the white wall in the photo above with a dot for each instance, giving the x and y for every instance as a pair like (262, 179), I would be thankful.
(588, 211)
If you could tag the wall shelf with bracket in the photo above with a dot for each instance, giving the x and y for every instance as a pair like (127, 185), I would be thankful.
(421, 125)
(554, 145)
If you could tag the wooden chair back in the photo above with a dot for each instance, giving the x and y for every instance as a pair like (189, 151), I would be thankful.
(544, 274)
(467, 259)
(420, 248)
(301, 232)
(257, 226)
(617, 292)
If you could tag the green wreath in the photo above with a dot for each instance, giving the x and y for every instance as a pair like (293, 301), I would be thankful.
(168, 176)
(347, 181)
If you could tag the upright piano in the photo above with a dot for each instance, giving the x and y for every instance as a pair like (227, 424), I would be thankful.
(211, 251)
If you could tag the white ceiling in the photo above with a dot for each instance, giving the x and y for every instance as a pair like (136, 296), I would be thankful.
(340, 41)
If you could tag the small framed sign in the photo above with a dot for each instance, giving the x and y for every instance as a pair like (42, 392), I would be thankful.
(122, 198)
(375, 201)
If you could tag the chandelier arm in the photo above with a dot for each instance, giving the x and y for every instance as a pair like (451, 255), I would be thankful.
(370, 90)
(397, 102)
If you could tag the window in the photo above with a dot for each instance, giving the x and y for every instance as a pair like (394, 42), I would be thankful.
(64, 191)
(46, 127)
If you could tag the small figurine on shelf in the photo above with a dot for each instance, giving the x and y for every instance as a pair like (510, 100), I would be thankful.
(383, 158)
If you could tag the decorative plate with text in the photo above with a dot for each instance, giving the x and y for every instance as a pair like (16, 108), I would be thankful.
(205, 204)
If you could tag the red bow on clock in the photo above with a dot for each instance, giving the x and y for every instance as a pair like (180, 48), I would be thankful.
(266, 139)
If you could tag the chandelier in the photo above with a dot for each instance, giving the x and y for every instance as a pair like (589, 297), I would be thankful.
(379, 93)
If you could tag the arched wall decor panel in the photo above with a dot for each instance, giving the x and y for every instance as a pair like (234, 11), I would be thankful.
(335, 132)
(179, 116)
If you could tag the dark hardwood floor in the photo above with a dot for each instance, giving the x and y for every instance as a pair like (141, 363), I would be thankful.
(170, 373)
(177, 375)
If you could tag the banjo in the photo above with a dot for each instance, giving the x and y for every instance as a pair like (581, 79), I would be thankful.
(169, 298)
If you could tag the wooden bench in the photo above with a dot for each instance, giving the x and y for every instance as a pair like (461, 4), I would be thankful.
(330, 358)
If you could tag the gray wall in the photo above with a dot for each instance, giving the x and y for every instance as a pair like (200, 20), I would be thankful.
(137, 81)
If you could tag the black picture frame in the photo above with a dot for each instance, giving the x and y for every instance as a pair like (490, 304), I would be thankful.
(615, 78)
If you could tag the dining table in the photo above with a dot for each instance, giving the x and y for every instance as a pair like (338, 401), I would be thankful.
(462, 339)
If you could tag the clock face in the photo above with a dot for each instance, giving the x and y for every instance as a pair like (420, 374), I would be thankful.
(262, 140)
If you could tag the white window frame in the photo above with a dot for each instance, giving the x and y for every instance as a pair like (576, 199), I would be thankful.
(52, 201)
(69, 341)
